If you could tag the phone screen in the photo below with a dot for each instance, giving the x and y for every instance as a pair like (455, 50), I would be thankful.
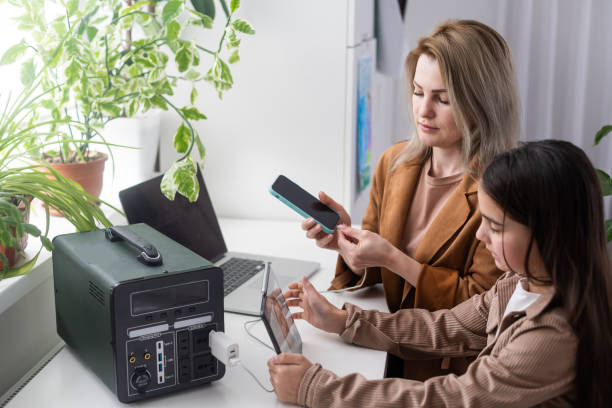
(306, 202)
(277, 319)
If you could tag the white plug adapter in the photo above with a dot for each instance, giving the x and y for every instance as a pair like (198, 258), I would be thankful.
(223, 348)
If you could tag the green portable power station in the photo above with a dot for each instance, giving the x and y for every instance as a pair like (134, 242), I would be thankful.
(137, 308)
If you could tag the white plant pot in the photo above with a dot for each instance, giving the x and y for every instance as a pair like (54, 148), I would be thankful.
(131, 166)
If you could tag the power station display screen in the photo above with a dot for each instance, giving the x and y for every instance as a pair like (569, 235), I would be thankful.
(169, 297)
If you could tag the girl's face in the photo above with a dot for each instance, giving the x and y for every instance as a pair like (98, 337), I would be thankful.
(507, 239)
(431, 108)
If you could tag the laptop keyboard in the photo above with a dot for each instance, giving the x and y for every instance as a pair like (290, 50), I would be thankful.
(236, 271)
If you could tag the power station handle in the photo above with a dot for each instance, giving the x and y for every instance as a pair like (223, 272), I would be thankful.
(149, 255)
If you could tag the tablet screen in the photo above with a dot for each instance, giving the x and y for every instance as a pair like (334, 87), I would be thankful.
(277, 318)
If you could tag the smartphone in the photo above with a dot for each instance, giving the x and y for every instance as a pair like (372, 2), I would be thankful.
(304, 203)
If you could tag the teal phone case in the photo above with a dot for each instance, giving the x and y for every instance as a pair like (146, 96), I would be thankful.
(298, 210)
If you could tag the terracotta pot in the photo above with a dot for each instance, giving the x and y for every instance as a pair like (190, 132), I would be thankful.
(88, 175)
(11, 253)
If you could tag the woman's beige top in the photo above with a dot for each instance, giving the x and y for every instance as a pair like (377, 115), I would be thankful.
(430, 196)
(530, 362)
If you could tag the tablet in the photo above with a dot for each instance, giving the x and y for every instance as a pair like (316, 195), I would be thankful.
(277, 317)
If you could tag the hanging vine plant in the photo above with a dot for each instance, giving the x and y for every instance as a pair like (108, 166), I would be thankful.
(118, 60)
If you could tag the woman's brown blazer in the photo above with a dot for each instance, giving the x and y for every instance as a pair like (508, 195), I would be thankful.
(455, 265)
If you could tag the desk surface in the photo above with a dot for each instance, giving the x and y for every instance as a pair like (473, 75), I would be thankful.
(66, 382)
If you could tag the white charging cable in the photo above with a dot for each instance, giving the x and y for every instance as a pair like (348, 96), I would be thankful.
(251, 335)
(226, 350)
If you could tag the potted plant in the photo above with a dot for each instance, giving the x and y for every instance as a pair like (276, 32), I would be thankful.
(604, 178)
(23, 177)
(118, 60)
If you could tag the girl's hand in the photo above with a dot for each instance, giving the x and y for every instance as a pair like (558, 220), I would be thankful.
(316, 310)
(286, 373)
(314, 230)
(361, 248)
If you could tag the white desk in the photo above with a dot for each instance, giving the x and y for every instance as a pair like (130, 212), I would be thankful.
(66, 382)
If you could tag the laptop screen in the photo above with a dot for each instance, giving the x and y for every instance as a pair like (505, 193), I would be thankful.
(193, 225)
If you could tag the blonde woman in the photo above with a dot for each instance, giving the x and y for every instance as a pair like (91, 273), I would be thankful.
(418, 234)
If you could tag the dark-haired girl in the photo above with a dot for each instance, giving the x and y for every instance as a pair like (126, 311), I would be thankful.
(541, 334)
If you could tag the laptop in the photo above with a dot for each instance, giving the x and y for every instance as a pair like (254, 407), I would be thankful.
(195, 226)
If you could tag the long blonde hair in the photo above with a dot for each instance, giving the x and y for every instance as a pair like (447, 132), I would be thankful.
(477, 69)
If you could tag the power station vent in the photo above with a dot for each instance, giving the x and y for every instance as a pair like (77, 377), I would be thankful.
(96, 292)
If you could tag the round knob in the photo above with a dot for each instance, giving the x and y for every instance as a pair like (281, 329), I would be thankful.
(141, 379)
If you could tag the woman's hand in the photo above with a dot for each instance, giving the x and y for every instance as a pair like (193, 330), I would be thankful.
(286, 373)
(316, 310)
(314, 230)
(361, 248)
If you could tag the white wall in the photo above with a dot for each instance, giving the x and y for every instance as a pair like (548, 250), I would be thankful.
(285, 114)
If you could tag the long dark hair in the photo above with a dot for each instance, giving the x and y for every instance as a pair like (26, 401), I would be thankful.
(551, 187)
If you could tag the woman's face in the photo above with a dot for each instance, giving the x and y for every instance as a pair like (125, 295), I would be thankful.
(507, 239)
(431, 108)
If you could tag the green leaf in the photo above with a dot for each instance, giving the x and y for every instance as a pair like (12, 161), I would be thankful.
(182, 139)
(201, 149)
(21, 270)
(133, 7)
(609, 230)
(234, 58)
(183, 59)
(232, 40)
(171, 10)
(603, 132)
(59, 27)
(81, 28)
(32, 230)
(49, 104)
(187, 181)
(55, 57)
(193, 96)
(72, 7)
(46, 243)
(72, 72)
(158, 101)
(168, 186)
(605, 181)
(207, 21)
(150, 27)
(206, 7)
(111, 108)
(72, 47)
(242, 26)
(165, 89)
(226, 73)
(144, 62)
(192, 75)
(173, 29)
(156, 75)
(196, 59)
(91, 33)
(133, 107)
(234, 5)
(192, 114)
(28, 72)
(181, 177)
(66, 146)
(12, 54)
